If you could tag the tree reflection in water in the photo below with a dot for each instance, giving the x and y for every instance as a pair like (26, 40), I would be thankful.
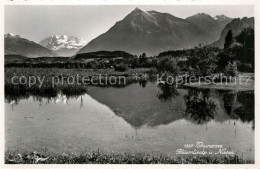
(155, 105)
(166, 93)
(199, 107)
(142, 83)
(239, 105)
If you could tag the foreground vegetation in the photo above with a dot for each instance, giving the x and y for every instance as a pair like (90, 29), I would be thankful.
(111, 158)
(243, 82)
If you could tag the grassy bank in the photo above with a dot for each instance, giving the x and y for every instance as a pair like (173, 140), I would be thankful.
(243, 82)
(83, 72)
(111, 158)
(48, 75)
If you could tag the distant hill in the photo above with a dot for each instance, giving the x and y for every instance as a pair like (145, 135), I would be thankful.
(16, 45)
(103, 54)
(48, 59)
(236, 25)
(152, 32)
(63, 45)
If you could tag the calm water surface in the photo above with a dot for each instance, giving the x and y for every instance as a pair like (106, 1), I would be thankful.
(137, 118)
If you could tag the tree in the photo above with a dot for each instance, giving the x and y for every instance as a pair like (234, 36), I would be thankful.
(202, 61)
(242, 52)
(224, 58)
(168, 64)
(246, 38)
(143, 56)
(199, 107)
(246, 52)
(143, 60)
(135, 62)
(228, 39)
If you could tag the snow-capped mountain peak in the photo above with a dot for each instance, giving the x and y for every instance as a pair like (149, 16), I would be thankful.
(56, 42)
(63, 44)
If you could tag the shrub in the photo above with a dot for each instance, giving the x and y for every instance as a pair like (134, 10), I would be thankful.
(168, 64)
(231, 69)
(121, 67)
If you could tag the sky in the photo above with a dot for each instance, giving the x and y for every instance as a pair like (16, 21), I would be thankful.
(87, 22)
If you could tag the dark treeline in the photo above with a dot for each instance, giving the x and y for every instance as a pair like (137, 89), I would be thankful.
(237, 56)
(103, 54)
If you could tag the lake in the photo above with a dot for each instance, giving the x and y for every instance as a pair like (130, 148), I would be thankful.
(138, 118)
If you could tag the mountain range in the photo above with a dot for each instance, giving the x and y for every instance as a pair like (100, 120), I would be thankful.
(153, 32)
(149, 32)
(63, 45)
(16, 45)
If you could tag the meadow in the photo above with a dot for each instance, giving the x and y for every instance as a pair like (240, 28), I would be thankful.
(49, 75)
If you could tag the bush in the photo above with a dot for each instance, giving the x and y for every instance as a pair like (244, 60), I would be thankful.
(168, 64)
(231, 69)
(121, 67)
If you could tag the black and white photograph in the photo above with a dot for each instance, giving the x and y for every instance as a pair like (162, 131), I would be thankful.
(129, 84)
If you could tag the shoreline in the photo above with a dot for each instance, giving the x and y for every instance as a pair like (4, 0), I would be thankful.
(246, 84)
(221, 87)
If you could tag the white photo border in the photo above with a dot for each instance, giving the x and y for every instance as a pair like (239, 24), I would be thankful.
(256, 5)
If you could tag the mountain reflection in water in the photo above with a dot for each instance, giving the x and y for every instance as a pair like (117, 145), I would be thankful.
(152, 105)
(140, 117)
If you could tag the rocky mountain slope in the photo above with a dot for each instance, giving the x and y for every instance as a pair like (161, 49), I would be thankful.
(212, 27)
(153, 32)
(236, 25)
(16, 45)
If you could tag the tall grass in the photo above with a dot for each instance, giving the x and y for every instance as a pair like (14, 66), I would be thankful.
(50, 73)
(97, 157)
